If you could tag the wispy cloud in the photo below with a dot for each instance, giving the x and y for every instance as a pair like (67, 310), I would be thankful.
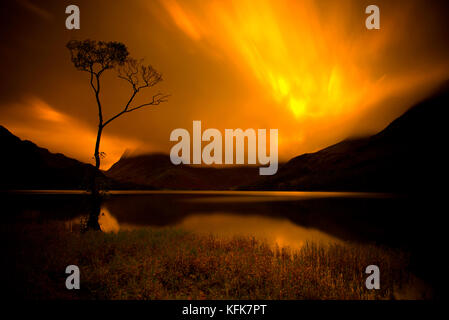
(35, 9)
(41, 123)
(183, 19)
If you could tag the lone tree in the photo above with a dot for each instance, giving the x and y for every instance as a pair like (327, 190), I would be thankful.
(95, 57)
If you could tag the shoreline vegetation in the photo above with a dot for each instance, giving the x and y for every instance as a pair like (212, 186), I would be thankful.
(169, 263)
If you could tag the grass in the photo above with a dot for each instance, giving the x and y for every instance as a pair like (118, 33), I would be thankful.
(174, 264)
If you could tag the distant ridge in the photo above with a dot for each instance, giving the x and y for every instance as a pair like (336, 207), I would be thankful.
(407, 156)
(156, 171)
(404, 157)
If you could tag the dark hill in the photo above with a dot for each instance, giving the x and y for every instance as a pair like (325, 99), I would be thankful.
(24, 165)
(157, 171)
(406, 156)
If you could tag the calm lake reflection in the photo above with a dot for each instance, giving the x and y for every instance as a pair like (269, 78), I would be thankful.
(412, 224)
(282, 218)
(275, 231)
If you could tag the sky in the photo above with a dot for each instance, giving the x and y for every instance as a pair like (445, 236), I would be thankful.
(308, 68)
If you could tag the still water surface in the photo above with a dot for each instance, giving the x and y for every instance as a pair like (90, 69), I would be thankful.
(280, 218)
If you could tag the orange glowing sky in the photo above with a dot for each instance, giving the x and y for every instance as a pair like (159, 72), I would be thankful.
(308, 68)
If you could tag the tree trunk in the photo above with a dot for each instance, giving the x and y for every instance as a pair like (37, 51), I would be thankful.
(95, 209)
(94, 214)
(95, 187)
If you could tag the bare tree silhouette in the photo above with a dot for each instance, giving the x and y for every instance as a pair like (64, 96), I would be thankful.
(95, 57)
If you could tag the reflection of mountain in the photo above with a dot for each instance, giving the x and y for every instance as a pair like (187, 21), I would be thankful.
(405, 156)
(24, 165)
(344, 217)
(407, 222)
(157, 171)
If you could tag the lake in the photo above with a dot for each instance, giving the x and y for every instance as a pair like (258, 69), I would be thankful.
(411, 224)
(280, 218)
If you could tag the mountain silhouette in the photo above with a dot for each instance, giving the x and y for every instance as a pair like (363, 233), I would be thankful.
(24, 165)
(157, 171)
(404, 157)
(407, 156)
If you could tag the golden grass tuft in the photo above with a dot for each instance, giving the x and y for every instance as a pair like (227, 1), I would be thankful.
(174, 264)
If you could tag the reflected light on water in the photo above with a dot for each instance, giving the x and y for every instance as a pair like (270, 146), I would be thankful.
(107, 222)
(274, 231)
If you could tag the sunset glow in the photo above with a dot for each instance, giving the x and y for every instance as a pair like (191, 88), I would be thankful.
(211, 152)
(308, 68)
(306, 60)
(304, 64)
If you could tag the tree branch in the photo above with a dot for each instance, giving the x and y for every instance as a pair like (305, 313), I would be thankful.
(92, 80)
(139, 76)
(97, 97)
(157, 99)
